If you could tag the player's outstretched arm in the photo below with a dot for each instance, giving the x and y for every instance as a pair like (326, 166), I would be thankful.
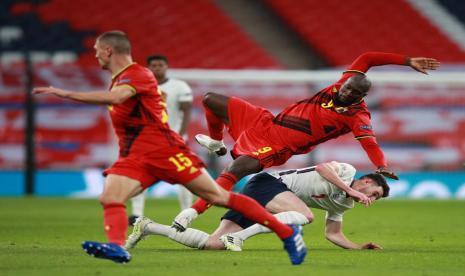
(116, 96)
(369, 59)
(329, 172)
(376, 156)
(422, 64)
(335, 235)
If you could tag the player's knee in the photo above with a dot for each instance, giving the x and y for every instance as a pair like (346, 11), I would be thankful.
(208, 99)
(107, 199)
(219, 198)
(310, 217)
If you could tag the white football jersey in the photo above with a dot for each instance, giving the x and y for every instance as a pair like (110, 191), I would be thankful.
(177, 91)
(319, 193)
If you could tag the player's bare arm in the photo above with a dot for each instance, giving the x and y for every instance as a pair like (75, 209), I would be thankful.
(334, 234)
(185, 107)
(116, 96)
(422, 64)
(329, 171)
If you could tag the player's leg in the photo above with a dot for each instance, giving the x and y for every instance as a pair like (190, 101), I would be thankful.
(137, 205)
(118, 189)
(288, 208)
(277, 198)
(205, 187)
(216, 113)
(144, 227)
(217, 104)
(240, 167)
(238, 114)
(185, 197)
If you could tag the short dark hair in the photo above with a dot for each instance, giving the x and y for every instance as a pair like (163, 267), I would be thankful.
(380, 181)
(362, 80)
(118, 40)
(157, 57)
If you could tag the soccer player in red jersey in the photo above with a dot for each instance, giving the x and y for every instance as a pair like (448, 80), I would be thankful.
(151, 151)
(263, 140)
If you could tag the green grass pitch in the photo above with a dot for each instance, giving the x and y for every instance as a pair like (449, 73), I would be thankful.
(41, 236)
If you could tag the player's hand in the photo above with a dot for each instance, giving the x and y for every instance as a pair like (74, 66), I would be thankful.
(371, 245)
(422, 64)
(50, 91)
(360, 197)
(184, 219)
(387, 173)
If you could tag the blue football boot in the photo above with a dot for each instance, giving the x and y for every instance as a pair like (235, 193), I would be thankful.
(295, 245)
(110, 251)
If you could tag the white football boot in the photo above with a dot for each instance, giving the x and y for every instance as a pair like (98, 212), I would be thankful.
(138, 232)
(232, 242)
(184, 219)
(213, 146)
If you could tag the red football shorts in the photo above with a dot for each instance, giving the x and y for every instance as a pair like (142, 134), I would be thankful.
(175, 165)
(252, 129)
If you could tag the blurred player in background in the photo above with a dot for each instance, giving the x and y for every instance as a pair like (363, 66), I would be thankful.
(263, 140)
(288, 194)
(178, 104)
(150, 151)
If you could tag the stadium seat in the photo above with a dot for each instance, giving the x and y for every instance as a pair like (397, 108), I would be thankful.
(340, 31)
(200, 34)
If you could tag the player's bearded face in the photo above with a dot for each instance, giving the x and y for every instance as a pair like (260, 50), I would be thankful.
(349, 94)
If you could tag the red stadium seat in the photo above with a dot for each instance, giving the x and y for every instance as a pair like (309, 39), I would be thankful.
(341, 30)
(193, 34)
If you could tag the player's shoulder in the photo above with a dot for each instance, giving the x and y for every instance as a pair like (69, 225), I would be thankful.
(179, 84)
(139, 69)
(177, 81)
(344, 168)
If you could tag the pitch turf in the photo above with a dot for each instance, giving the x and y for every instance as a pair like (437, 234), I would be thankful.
(42, 237)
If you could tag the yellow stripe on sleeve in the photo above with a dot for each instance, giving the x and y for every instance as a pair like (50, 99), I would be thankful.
(354, 71)
(130, 87)
(363, 136)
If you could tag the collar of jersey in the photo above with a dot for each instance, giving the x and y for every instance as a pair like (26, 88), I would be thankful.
(122, 70)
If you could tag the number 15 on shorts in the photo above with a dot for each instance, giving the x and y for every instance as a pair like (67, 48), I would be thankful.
(180, 161)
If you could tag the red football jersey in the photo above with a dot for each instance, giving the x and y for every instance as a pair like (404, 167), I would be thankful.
(317, 119)
(142, 117)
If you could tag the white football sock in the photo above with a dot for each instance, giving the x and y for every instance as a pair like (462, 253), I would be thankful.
(138, 203)
(185, 197)
(191, 237)
(289, 217)
(158, 229)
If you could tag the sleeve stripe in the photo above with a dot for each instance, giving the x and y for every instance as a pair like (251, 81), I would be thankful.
(130, 87)
(363, 136)
(354, 71)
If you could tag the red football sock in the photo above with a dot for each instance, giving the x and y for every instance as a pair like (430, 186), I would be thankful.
(225, 180)
(215, 124)
(250, 209)
(116, 222)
